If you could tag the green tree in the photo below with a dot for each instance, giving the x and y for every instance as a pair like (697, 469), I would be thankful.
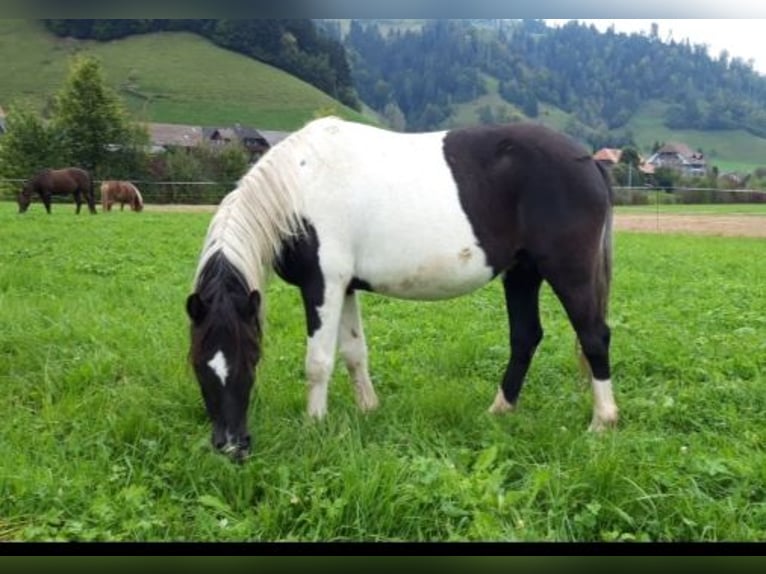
(630, 156)
(26, 148)
(93, 128)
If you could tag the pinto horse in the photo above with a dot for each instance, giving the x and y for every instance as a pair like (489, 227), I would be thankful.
(121, 192)
(51, 182)
(340, 207)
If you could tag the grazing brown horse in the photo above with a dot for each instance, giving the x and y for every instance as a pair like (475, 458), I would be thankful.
(121, 192)
(51, 182)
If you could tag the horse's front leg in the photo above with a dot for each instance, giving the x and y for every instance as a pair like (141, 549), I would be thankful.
(323, 310)
(353, 349)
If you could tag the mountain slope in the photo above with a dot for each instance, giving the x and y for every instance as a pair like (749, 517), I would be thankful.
(170, 77)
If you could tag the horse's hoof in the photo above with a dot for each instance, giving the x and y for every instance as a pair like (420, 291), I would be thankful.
(603, 422)
(500, 406)
(368, 403)
(316, 414)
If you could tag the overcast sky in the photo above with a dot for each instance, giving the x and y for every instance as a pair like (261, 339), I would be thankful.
(745, 39)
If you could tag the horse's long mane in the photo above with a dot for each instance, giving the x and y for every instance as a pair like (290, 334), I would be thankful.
(138, 200)
(252, 221)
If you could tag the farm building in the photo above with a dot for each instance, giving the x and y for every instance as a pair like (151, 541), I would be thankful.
(256, 142)
(609, 157)
(680, 157)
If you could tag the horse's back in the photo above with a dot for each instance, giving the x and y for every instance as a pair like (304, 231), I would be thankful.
(389, 202)
(438, 214)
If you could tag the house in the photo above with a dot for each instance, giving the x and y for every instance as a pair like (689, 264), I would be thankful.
(166, 136)
(249, 138)
(609, 157)
(680, 157)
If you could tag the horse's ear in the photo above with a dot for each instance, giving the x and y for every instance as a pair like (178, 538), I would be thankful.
(195, 308)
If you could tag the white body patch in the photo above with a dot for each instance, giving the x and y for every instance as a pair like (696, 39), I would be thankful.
(220, 367)
(407, 235)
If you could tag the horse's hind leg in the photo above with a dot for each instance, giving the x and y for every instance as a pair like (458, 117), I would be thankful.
(78, 201)
(46, 199)
(323, 311)
(522, 290)
(576, 289)
(353, 349)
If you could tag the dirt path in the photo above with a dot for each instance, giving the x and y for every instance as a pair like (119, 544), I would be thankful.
(723, 225)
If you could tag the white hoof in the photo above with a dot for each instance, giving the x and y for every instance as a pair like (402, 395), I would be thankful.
(500, 405)
(367, 402)
(603, 421)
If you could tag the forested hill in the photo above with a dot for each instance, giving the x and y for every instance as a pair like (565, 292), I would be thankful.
(601, 79)
(294, 46)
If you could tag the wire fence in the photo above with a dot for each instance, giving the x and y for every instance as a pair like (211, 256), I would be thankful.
(686, 195)
(153, 192)
(212, 192)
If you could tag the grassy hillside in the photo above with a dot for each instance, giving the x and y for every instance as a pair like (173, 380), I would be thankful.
(730, 150)
(173, 77)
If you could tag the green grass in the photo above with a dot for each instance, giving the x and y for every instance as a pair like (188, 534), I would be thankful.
(169, 77)
(104, 436)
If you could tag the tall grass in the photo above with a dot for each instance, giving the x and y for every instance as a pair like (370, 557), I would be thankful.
(104, 436)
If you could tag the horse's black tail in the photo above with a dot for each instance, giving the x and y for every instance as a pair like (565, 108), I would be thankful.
(604, 278)
(604, 265)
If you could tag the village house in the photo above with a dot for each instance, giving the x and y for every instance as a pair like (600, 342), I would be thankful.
(609, 157)
(163, 137)
(680, 157)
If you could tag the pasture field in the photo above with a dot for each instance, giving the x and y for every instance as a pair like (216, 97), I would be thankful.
(104, 436)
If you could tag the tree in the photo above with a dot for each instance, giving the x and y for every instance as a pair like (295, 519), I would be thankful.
(27, 147)
(630, 156)
(90, 122)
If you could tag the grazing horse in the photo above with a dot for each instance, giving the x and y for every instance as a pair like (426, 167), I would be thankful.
(121, 192)
(51, 182)
(339, 207)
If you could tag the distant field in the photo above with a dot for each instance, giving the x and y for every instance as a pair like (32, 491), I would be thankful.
(104, 436)
(169, 77)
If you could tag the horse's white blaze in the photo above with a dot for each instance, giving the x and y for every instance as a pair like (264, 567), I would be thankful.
(407, 236)
(219, 366)
(605, 410)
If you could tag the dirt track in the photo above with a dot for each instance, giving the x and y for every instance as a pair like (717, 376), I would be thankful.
(723, 225)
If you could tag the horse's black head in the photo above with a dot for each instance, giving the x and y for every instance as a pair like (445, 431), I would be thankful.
(225, 348)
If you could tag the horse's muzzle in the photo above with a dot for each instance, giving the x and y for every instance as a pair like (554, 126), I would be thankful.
(235, 447)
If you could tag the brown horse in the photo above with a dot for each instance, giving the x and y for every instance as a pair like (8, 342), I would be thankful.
(51, 182)
(121, 192)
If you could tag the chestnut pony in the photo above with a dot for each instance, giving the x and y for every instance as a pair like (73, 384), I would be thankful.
(121, 192)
